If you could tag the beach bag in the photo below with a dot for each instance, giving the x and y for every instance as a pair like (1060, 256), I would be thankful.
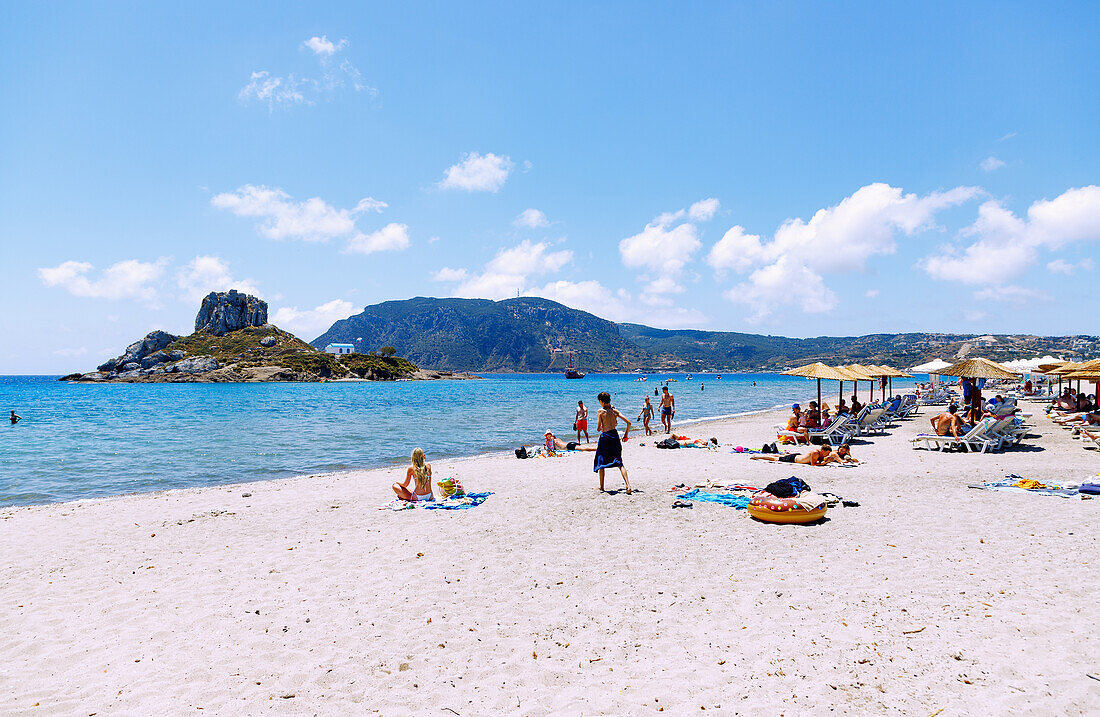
(668, 443)
(521, 452)
(451, 488)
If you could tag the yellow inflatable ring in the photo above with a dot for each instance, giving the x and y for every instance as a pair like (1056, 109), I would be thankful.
(772, 509)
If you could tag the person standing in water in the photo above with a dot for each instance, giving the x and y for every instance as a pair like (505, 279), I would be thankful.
(668, 409)
(419, 473)
(609, 450)
(580, 422)
(646, 416)
(14, 418)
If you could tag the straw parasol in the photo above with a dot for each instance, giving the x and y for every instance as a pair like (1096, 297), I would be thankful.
(819, 371)
(977, 368)
(860, 373)
(891, 373)
(1083, 371)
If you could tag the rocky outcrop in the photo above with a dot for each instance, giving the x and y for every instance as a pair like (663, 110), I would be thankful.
(222, 312)
(267, 341)
(136, 352)
(195, 364)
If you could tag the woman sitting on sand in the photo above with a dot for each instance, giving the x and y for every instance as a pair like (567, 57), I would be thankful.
(420, 474)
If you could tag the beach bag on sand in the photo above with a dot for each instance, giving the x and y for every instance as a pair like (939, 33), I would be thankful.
(667, 443)
(521, 452)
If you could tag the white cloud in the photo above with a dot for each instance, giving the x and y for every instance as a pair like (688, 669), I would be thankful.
(273, 91)
(130, 279)
(323, 46)
(789, 269)
(1007, 245)
(312, 321)
(704, 210)
(871, 293)
(478, 173)
(1010, 135)
(284, 91)
(449, 274)
(392, 237)
(595, 298)
(311, 220)
(1061, 266)
(662, 250)
(529, 257)
(1011, 294)
(507, 273)
(778, 286)
(204, 274)
(991, 163)
(531, 218)
(433, 239)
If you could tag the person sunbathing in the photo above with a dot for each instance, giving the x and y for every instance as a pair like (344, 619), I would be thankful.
(948, 422)
(554, 444)
(818, 457)
(419, 473)
(1091, 419)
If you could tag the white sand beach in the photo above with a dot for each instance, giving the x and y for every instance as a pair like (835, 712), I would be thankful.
(552, 598)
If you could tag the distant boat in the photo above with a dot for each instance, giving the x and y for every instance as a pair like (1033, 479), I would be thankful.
(719, 377)
(688, 377)
(643, 378)
(570, 371)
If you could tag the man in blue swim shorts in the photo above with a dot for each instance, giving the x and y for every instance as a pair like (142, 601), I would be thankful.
(668, 409)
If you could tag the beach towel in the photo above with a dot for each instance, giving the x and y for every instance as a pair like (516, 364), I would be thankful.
(609, 452)
(470, 500)
(1011, 484)
(733, 501)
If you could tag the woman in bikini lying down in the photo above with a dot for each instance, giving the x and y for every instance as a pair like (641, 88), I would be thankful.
(819, 457)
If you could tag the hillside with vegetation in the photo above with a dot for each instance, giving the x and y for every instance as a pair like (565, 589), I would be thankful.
(529, 334)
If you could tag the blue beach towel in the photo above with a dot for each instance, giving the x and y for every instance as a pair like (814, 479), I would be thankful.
(470, 500)
(733, 501)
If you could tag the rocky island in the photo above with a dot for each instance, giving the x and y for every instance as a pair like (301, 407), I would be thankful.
(233, 342)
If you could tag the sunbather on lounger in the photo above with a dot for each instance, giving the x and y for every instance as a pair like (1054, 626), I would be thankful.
(948, 422)
(1091, 419)
(819, 457)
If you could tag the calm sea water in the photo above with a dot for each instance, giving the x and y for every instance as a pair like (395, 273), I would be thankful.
(86, 441)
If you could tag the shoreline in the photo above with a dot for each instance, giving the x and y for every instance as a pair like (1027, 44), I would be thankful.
(695, 422)
(552, 597)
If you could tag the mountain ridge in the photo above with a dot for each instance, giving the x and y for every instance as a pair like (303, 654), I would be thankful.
(531, 334)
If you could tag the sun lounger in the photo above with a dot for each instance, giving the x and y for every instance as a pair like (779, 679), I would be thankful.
(870, 422)
(837, 433)
(976, 439)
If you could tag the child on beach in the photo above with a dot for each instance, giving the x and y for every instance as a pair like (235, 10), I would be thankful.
(419, 473)
(609, 450)
(646, 416)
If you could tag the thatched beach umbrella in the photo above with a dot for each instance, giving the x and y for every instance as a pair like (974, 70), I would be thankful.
(819, 371)
(861, 373)
(977, 368)
(891, 373)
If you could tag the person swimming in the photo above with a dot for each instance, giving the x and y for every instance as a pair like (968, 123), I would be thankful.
(14, 418)
(420, 474)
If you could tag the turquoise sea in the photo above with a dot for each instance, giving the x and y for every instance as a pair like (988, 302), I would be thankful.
(91, 440)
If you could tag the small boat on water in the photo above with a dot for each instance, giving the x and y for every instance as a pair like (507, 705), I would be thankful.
(571, 371)
(643, 378)
(688, 377)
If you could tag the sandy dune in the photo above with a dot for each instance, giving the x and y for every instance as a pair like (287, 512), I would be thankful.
(552, 598)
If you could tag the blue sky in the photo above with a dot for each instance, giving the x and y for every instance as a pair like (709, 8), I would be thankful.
(783, 168)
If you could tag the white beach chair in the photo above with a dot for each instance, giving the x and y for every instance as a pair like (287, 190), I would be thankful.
(870, 422)
(976, 439)
(836, 433)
